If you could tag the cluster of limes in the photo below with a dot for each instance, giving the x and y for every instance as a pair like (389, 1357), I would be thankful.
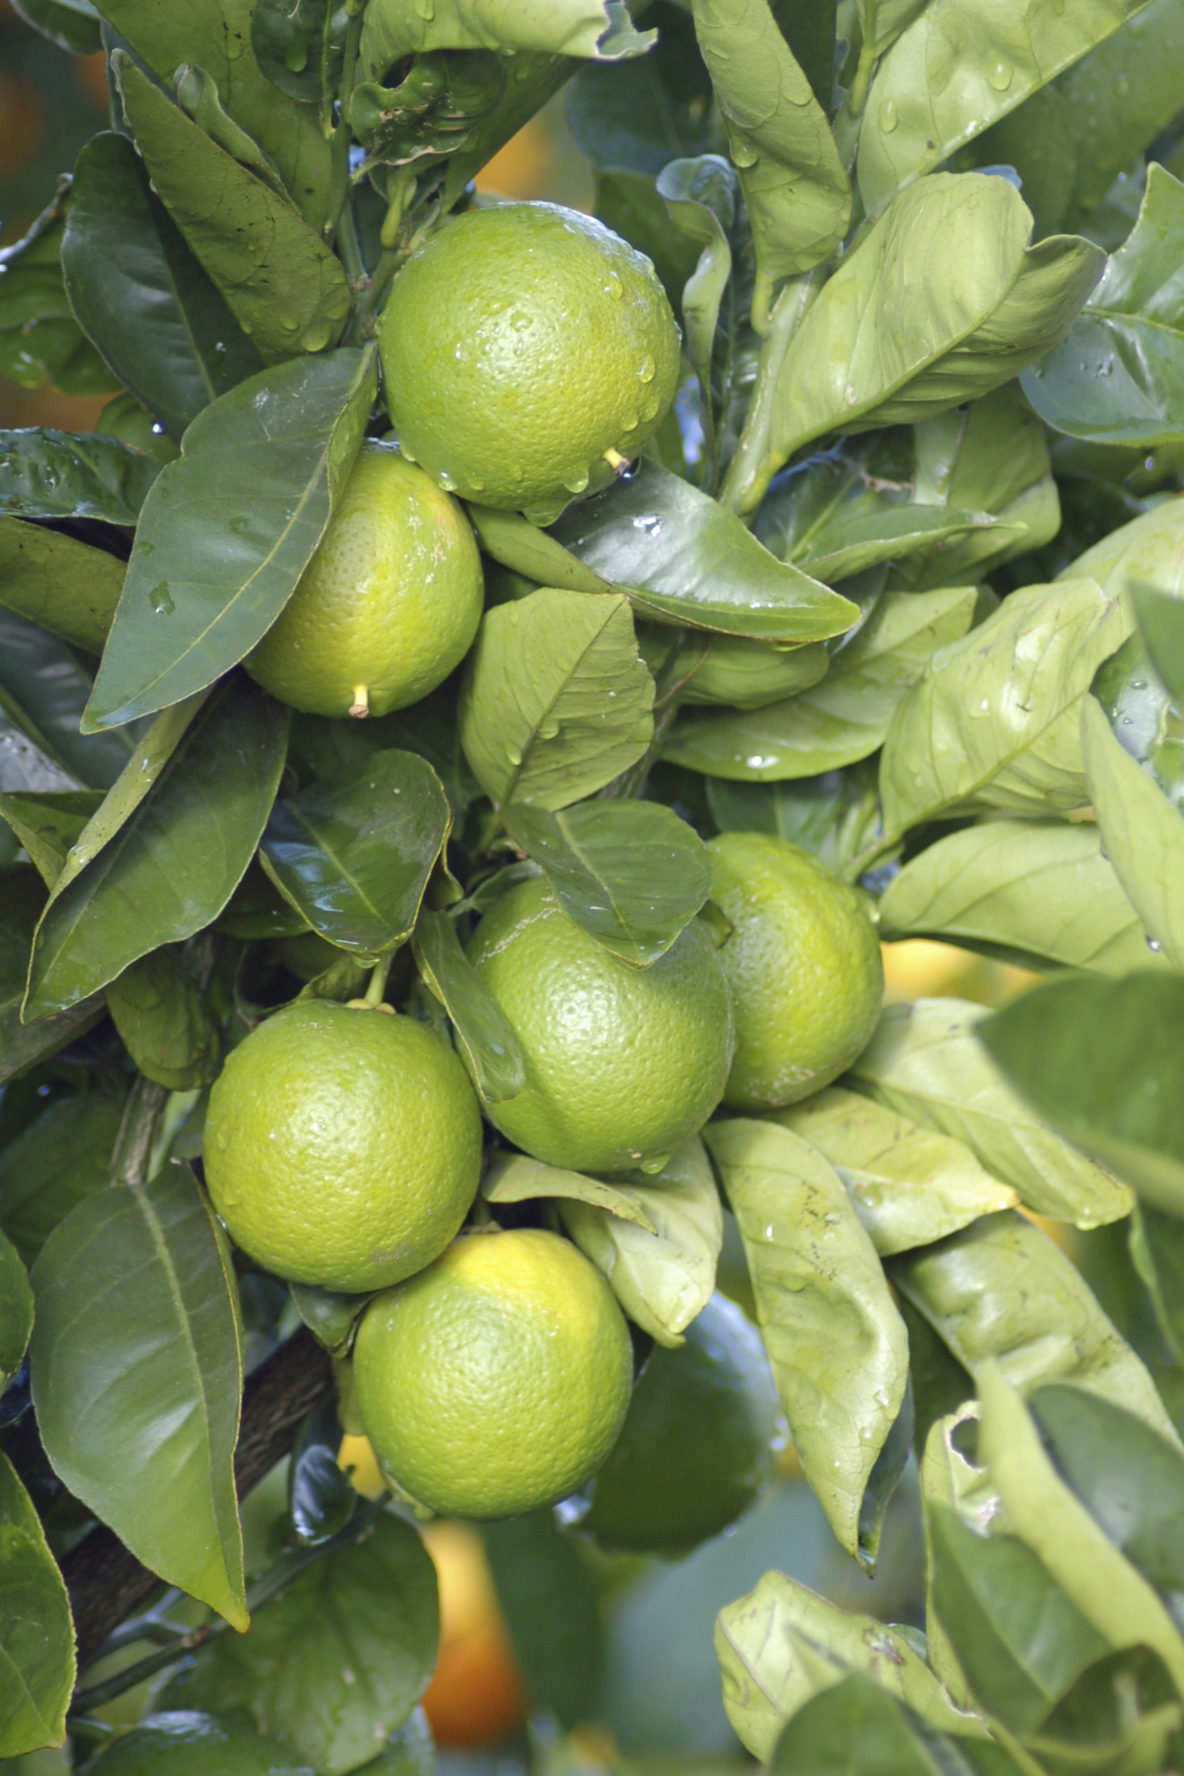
(493, 1369)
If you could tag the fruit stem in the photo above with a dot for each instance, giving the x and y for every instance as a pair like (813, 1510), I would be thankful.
(376, 986)
(360, 707)
(617, 463)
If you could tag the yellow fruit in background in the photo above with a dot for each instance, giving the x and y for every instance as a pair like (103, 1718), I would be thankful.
(389, 603)
(803, 962)
(622, 1063)
(524, 347)
(342, 1145)
(496, 1380)
(477, 1694)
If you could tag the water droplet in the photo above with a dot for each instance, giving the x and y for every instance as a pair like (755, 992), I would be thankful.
(1154, 944)
(577, 483)
(549, 731)
(888, 118)
(476, 483)
(447, 482)
(614, 287)
(1000, 75)
(157, 429)
(235, 45)
(145, 549)
(161, 599)
(514, 754)
(296, 58)
(426, 9)
(649, 409)
(316, 336)
(744, 154)
(240, 525)
(646, 369)
(651, 524)
(654, 1164)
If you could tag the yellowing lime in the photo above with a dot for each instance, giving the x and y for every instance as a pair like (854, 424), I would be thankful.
(387, 606)
(342, 1145)
(521, 347)
(496, 1380)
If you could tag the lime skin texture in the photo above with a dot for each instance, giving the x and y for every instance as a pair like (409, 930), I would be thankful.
(342, 1145)
(527, 350)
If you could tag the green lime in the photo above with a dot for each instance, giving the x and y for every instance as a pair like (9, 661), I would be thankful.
(526, 351)
(185, 1743)
(496, 1380)
(342, 1145)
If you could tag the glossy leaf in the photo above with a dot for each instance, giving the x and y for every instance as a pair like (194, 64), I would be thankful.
(1100, 1060)
(843, 718)
(16, 1310)
(1040, 887)
(630, 874)
(556, 702)
(782, 1644)
(1050, 1330)
(927, 1062)
(145, 301)
(36, 1634)
(910, 1186)
(321, 1499)
(929, 96)
(229, 529)
(481, 1026)
(43, 690)
(134, 1305)
(57, 1160)
(514, 1177)
(995, 718)
(532, 553)
(598, 29)
(836, 1342)
(59, 583)
(737, 672)
(50, 474)
(664, 1278)
(339, 1660)
(795, 188)
(682, 558)
(23, 1045)
(354, 854)
(1143, 834)
(166, 1022)
(146, 870)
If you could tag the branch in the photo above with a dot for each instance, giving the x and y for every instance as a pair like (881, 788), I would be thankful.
(105, 1581)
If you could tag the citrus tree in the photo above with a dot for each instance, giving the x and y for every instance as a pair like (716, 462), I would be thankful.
(466, 715)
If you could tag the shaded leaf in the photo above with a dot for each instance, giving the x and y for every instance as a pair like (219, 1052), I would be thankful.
(1122, 1710)
(43, 690)
(700, 197)
(23, 1045)
(836, 1342)
(57, 1160)
(321, 1498)
(514, 1177)
(40, 340)
(857, 1725)
(48, 823)
(481, 1026)
(1142, 833)
(1161, 623)
(834, 816)
(599, 29)
(329, 1316)
(630, 874)
(299, 47)
(556, 701)
(1157, 1253)
(59, 583)
(73, 25)
(166, 1022)
(735, 671)
(909, 1185)
(134, 1305)
(647, 110)
(50, 474)
(229, 530)
(550, 1598)
(662, 1279)
(36, 1634)
(353, 854)
(16, 1310)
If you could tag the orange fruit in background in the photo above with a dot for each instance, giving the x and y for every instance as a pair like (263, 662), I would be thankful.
(477, 1694)
(22, 122)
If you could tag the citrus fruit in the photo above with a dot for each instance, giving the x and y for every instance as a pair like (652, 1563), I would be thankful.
(186, 1743)
(387, 606)
(477, 1694)
(526, 349)
(342, 1145)
(699, 1444)
(804, 966)
(622, 1063)
(495, 1381)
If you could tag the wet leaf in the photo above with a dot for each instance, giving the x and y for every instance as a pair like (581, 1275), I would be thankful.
(36, 1634)
(321, 1499)
(50, 474)
(73, 25)
(60, 584)
(857, 1725)
(481, 1026)
(47, 823)
(40, 340)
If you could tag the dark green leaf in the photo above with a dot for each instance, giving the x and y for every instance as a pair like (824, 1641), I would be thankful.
(300, 45)
(229, 529)
(134, 1306)
(549, 1596)
(329, 1317)
(59, 1158)
(16, 1310)
(700, 196)
(514, 1177)
(1100, 1060)
(23, 1045)
(36, 1634)
(48, 474)
(48, 824)
(1157, 1253)
(631, 874)
(834, 816)
(1119, 1713)
(43, 689)
(482, 1028)
(59, 583)
(40, 340)
(410, 1751)
(165, 852)
(600, 31)
(353, 854)
(1161, 621)
(650, 109)
(166, 1022)
(321, 1499)
(145, 301)
(73, 25)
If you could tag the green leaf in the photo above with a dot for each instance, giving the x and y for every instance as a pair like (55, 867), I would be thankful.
(229, 529)
(284, 285)
(630, 874)
(43, 689)
(872, 352)
(514, 1177)
(846, 716)
(664, 1278)
(354, 853)
(168, 847)
(857, 1725)
(23, 1045)
(795, 188)
(57, 1160)
(166, 1022)
(630, 204)
(16, 1310)
(481, 1026)
(700, 197)
(145, 301)
(834, 817)
(48, 823)
(409, 1751)
(1118, 378)
(1142, 833)
(882, 21)
(1039, 887)
(1100, 1060)
(995, 718)
(927, 1061)
(734, 670)
(36, 1634)
(49, 474)
(782, 1644)
(599, 29)
(73, 25)
(910, 1186)
(550, 1598)
(682, 558)
(556, 702)
(299, 47)
(1147, 551)
(1050, 1330)
(1161, 623)
(59, 583)
(329, 1316)
(643, 112)
(40, 340)
(135, 1308)
(338, 1661)
(1119, 1714)
(1157, 1253)
(929, 95)
(835, 1340)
